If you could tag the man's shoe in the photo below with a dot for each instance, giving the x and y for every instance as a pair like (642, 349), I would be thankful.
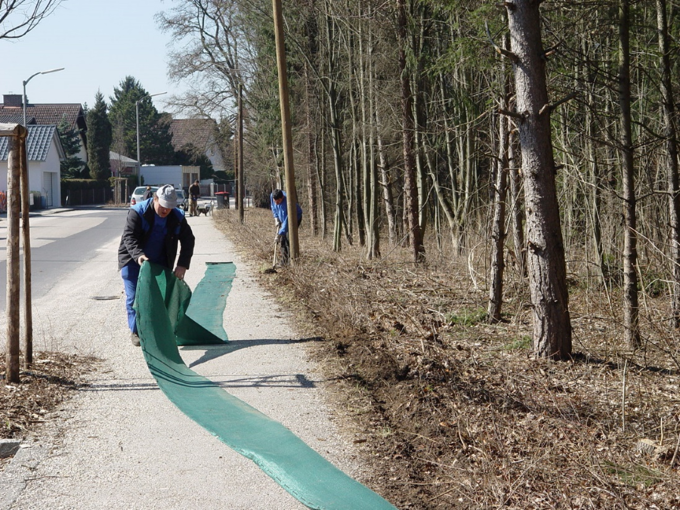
(134, 337)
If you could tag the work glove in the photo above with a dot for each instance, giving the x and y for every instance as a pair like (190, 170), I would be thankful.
(277, 222)
(277, 239)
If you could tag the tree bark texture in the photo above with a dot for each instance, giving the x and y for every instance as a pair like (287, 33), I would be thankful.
(631, 311)
(312, 111)
(672, 157)
(498, 225)
(13, 278)
(26, 273)
(516, 199)
(545, 255)
(408, 125)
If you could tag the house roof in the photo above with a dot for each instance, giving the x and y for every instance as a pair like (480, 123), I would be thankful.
(47, 114)
(114, 156)
(197, 132)
(12, 117)
(37, 143)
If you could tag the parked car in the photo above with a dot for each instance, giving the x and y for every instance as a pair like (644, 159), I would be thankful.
(182, 201)
(138, 193)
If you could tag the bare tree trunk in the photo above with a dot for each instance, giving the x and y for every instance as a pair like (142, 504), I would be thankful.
(335, 138)
(631, 305)
(322, 182)
(545, 257)
(498, 225)
(357, 171)
(388, 196)
(312, 172)
(672, 160)
(373, 227)
(13, 280)
(517, 210)
(408, 124)
(26, 240)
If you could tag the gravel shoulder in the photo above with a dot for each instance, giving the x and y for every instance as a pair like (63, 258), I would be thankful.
(119, 443)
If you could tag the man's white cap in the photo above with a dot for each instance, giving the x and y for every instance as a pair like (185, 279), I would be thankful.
(167, 196)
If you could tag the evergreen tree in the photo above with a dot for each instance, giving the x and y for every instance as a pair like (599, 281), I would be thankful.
(154, 132)
(100, 136)
(72, 165)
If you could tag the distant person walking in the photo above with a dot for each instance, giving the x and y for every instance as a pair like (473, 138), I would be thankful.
(279, 205)
(153, 229)
(194, 194)
(147, 193)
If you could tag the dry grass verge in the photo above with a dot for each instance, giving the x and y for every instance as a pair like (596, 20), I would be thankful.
(455, 413)
(52, 378)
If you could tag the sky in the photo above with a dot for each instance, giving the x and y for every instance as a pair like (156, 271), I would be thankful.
(98, 43)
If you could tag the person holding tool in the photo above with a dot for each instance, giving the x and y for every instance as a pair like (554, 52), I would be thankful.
(194, 193)
(152, 232)
(279, 206)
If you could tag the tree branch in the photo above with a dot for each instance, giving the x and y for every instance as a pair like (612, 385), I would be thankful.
(499, 50)
(551, 107)
(514, 115)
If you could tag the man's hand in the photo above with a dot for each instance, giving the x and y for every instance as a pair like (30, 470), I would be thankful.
(277, 239)
(277, 222)
(179, 272)
(142, 259)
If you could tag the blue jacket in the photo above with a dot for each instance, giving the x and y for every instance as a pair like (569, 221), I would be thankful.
(140, 220)
(280, 212)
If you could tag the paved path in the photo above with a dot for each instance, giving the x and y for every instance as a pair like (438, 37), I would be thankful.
(121, 444)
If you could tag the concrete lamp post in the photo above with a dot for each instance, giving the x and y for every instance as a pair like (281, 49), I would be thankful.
(139, 161)
(29, 79)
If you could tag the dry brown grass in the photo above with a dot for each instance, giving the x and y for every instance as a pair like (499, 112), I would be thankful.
(457, 413)
(52, 378)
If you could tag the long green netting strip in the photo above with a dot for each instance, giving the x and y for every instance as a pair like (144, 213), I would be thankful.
(164, 307)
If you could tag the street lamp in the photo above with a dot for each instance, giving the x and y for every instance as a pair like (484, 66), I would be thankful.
(139, 161)
(33, 76)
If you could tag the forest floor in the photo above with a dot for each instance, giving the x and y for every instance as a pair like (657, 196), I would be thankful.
(453, 412)
(449, 411)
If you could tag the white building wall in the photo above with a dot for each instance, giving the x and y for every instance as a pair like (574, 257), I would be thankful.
(159, 175)
(43, 176)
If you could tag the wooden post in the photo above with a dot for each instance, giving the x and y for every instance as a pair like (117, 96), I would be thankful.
(291, 192)
(241, 188)
(26, 239)
(13, 283)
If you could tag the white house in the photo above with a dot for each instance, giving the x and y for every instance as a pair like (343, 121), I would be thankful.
(44, 153)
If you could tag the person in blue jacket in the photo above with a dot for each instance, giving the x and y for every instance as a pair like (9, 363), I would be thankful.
(152, 232)
(279, 207)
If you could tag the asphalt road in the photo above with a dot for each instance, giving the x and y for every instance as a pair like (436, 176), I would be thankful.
(60, 243)
(120, 443)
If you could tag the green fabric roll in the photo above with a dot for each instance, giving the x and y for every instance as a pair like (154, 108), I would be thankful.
(163, 306)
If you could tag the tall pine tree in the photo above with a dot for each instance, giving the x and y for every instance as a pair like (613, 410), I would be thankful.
(154, 132)
(99, 137)
(71, 166)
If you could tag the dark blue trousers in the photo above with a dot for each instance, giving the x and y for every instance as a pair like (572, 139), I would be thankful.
(130, 274)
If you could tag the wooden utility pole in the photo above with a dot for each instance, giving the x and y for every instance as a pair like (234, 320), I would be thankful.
(286, 129)
(26, 239)
(17, 136)
(241, 189)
